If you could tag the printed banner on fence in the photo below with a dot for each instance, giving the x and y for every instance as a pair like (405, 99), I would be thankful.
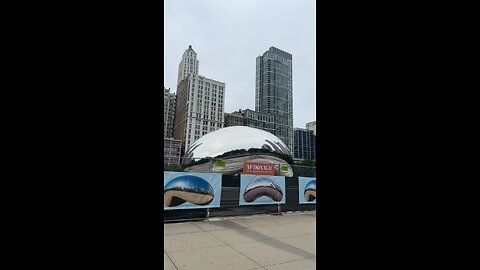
(258, 168)
(307, 190)
(191, 190)
(262, 189)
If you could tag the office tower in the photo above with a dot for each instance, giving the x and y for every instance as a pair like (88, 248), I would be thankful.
(233, 119)
(304, 144)
(273, 91)
(168, 112)
(250, 118)
(189, 64)
(171, 151)
(259, 120)
(200, 108)
(312, 126)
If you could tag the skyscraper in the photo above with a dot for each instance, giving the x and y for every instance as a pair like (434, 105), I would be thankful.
(168, 112)
(171, 151)
(200, 102)
(234, 119)
(250, 118)
(274, 91)
(312, 126)
(200, 108)
(259, 120)
(189, 64)
(304, 144)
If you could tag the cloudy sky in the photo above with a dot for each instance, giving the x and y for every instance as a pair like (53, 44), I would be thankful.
(229, 34)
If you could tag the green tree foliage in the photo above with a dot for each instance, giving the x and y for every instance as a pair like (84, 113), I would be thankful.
(173, 168)
(304, 171)
(309, 162)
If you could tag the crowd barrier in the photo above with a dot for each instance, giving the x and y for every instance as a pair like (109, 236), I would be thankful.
(230, 201)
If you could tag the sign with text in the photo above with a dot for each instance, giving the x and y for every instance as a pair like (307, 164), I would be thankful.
(258, 168)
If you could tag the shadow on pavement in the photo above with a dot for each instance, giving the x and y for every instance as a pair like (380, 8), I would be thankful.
(227, 224)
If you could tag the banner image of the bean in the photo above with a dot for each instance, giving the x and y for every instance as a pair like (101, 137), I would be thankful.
(307, 190)
(191, 190)
(262, 189)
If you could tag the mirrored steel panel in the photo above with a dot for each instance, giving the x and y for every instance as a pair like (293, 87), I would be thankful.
(236, 145)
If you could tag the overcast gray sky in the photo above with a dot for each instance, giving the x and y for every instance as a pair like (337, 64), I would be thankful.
(229, 34)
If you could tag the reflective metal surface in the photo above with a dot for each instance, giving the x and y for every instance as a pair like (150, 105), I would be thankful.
(187, 188)
(263, 187)
(236, 145)
(311, 190)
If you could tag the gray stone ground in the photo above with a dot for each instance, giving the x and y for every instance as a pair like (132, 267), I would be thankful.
(254, 242)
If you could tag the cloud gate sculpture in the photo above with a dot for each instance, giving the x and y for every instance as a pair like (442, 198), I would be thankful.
(236, 145)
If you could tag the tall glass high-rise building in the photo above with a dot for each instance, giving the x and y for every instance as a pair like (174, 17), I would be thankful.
(273, 91)
(305, 143)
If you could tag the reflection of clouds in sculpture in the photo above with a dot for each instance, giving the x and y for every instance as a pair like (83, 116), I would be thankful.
(235, 145)
(187, 188)
(263, 187)
(311, 191)
(189, 154)
(279, 148)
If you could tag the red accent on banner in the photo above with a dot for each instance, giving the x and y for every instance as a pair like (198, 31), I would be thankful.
(258, 168)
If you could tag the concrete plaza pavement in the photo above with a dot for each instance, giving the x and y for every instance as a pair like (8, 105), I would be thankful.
(249, 242)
